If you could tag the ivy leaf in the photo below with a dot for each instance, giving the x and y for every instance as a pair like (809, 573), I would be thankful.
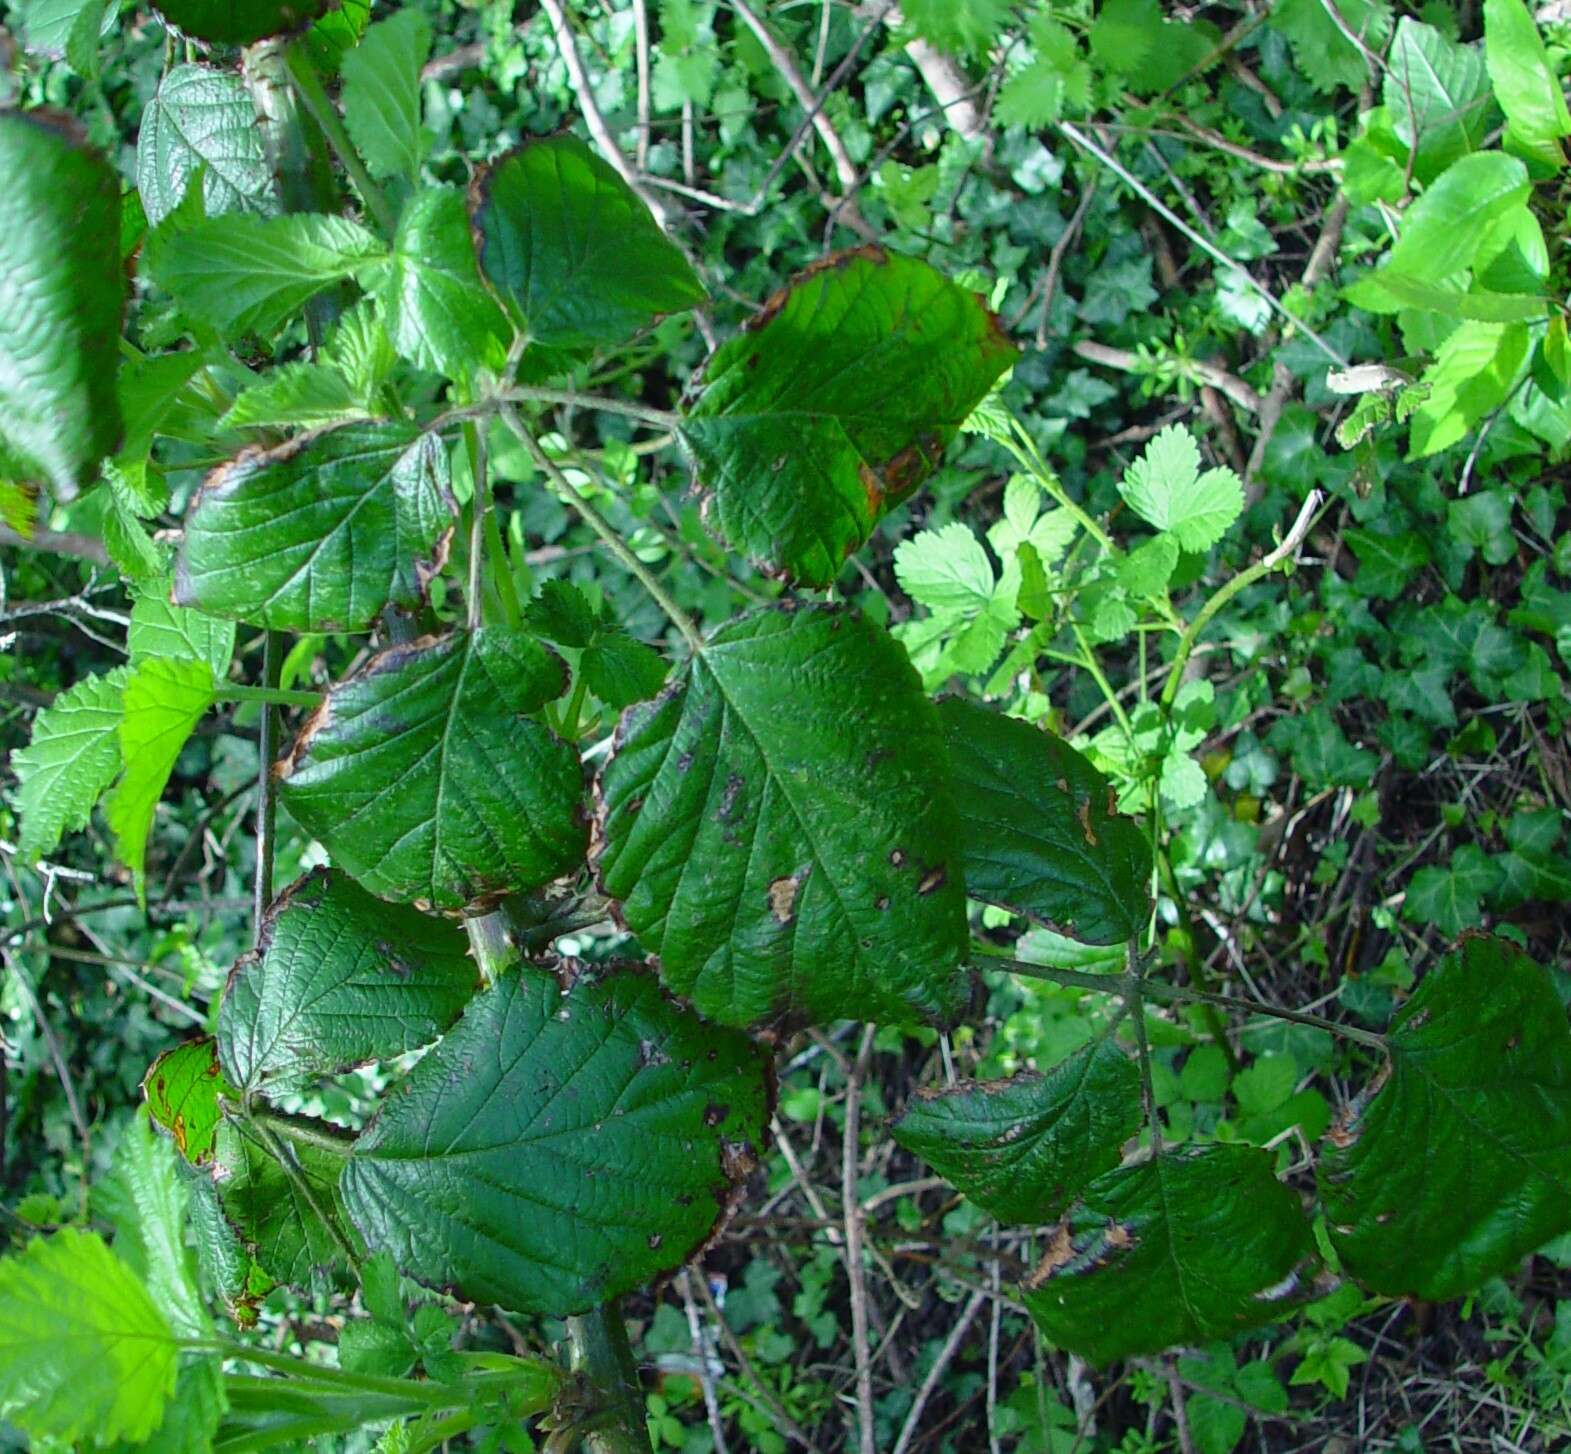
(1450, 897)
(238, 22)
(425, 779)
(438, 314)
(562, 1144)
(161, 629)
(201, 122)
(243, 274)
(571, 250)
(85, 1353)
(1023, 1148)
(1166, 488)
(1457, 1161)
(165, 697)
(320, 533)
(381, 94)
(60, 331)
(779, 828)
(1191, 1246)
(1525, 84)
(73, 756)
(835, 403)
(339, 978)
(1039, 830)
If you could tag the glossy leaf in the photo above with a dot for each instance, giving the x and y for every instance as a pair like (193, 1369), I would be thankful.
(835, 403)
(74, 755)
(779, 829)
(85, 1353)
(382, 94)
(65, 293)
(319, 533)
(571, 249)
(1457, 1162)
(1525, 84)
(1040, 828)
(1023, 1148)
(297, 395)
(339, 978)
(1436, 91)
(1190, 1246)
(426, 780)
(561, 1146)
(239, 22)
(438, 313)
(1442, 229)
(201, 121)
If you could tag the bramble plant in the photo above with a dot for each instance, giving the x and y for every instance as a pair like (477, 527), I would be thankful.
(788, 827)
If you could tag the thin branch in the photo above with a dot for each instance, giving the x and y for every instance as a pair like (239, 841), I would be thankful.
(658, 418)
(84, 547)
(851, 1207)
(319, 106)
(1219, 379)
(946, 1356)
(706, 1379)
(641, 60)
(266, 799)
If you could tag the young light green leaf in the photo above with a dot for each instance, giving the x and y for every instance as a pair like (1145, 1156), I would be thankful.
(424, 778)
(1191, 1246)
(296, 395)
(382, 94)
(1525, 84)
(1442, 229)
(85, 1353)
(945, 569)
(561, 1145)
(1473, 372)
(72, 758)
(164, 700)
(1039, 832)
(361, 350)
(319, 533)
(339, 978)
(161, 629)
(571, 250)
(242, 274)
(60, 330)
(239, 22)
(779, 828)
(1024, 1148)
(1166, 488)
(438, 313)
(202, 121)
(1479, 1077)
(835, 404)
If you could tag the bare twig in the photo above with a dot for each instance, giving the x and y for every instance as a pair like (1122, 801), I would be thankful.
(706, 1379)
(1126, 362)
(1055, 259)
(641, 49)
(945, 1357)
(942, 75)
(851, 1205)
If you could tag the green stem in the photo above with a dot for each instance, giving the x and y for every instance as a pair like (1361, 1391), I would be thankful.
(575, 705)
(268, 696)
(657, 417)
(1027, 454)
(1192, 961)
(266, 799)
(1089, 661)
(426, 1395)
(1245, 578)
(501, 570)
(480, 509)
(493, 950)
(599, 1349)
(1135, 1000)
(602, 527)
(314, 97)
(306, 1133)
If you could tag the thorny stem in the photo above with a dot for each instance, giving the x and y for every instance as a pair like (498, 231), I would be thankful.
(598, 1348)
(314, 97)
(602, 527)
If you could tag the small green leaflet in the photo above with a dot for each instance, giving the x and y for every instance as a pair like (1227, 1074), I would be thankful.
(1023, 1148)
(1167, 489)
(835, 403)
(571, 250)
(1525, 84)
(59, 250)
(242, 274)
(202, 121)
(426, 778)
(615, 667)
(339, 978)
(1205, 1242)
(320, 533)
(1457, 1162)
(294, 395)
(182, 1089)
(1040, 831)
(164, 700)
(779, 828)
(381, 94)
(238, 22)
(74, 755)
(85, 1353)
(563, 1144)
(967, 26)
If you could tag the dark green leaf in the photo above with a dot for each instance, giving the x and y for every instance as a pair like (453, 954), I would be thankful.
(201, 118)
(239, 22)
(320, 533)
(1457, 1162)
(60, 324)
(561, 1146)
(562, 613)
(779, 828)
(1023, 1148)
(570, 248)
(1190, 1246)
(339, 978)
(424, 778)
(620, 670)
(835, 404)
(1040, 830)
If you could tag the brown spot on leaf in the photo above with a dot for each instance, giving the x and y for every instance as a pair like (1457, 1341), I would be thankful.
(782, 897)
(715, 1113)
(897, 858)
(1083, 813)
(1060, 1252)
(933, 879)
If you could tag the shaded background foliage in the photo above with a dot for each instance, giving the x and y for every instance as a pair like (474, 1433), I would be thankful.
(1376, 760)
